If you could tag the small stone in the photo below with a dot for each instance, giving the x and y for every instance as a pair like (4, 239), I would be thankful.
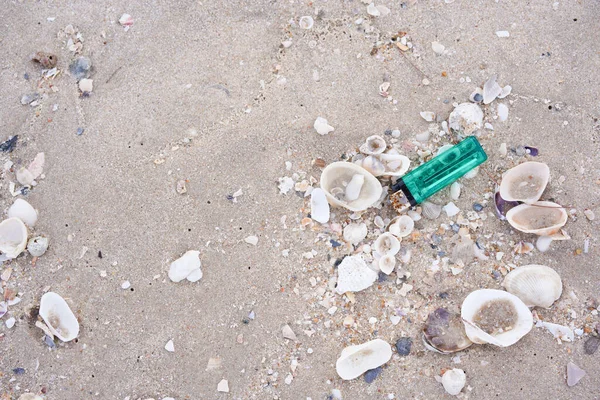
(477, 207)
(170, 347)
(502, 34)
(29, 98)
(81, 68)
(223, 386)
(502, 112)
(322, 127)
(10, 322)
(18, 371)
(589, 214)
(253, 240)
(574, 374)
(451, 209)
(403, 346)
(46, 60)
(79, 131)
(372, 374)
(591, 345)
(438, 48)
(125, 285)
(126, 20)
(86, 85)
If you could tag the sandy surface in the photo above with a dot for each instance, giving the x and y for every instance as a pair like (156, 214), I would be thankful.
(215, 72)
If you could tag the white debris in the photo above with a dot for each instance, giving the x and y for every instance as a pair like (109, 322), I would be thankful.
(319, 207)
(10, 322)
(288, 379)
(354, 275)
(491, 90)
(502, 34)
(306, 22)
(405, 289)
(502, 112)
(322, 127)
(126, 20)
(125, 285)
(451, 209)
(355, 232)
(170, 347)
(560, 332)
(454, 381)
(428, 116)
(438, 48)
(186, 267)
(288, 333)
(373, 10)
(223, 386)
(86, 85)
(285, 184)
(253, 240)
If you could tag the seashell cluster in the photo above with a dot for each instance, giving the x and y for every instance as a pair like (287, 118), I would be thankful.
(350, 186)
(356, 360)
(381, 161)
(535, 285)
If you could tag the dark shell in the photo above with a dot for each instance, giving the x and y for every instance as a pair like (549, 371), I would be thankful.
(444, 332)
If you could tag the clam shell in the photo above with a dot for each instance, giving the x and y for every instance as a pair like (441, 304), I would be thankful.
(481, 302)
(454, 381)
(544, 218)
(444, 332)
(373, 145)
(387, 243)
(356, 360)
(24, 211)
(402, 226)
(354, 275)
(535, 285)
(13, 237)
(56, 313)
(339, 174)
(526, 182)
(387, 263)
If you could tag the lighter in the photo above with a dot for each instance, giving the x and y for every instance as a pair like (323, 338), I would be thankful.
(439, 172)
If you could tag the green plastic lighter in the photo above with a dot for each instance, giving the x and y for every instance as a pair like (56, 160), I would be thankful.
(437, 173)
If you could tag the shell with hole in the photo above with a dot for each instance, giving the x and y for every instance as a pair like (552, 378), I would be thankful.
(543, 218)
(343, 181)
(373, 145)
(536, 285)
(356, 360)
(402, 226)
(56, 313)
(495, 317)
(386, 243)
(13, 237)
(444, 332)
(526, 182)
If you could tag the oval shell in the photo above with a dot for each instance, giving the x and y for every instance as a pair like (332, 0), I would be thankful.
(402, 226)
(543, 218)
(373, 145)
(356, 360)
(337, 176)
(387, 243)
(387, 263)
(13, 237)
(536, 285)
(56, 313)
(496, 307)
(526, 182)
(24, 211)
(395, 164)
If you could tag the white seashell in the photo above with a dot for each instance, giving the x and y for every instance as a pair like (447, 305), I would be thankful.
(536, 285)
(319, 207)
(498, 308)
(354, 275)
(523, 247)
(505, 91)
(373, 10)
(187, 266)
(24, 211)
(306, 22)
(339, 174)
(402, 226)
(373, 165)
(476, 96)
(86, 85)
(321, 125)
(502, 112)
(126, 20)
(387, 263)
(395, 164)
(451, 209)
(559, 332)
(383, 10)
(30, 396)
(354, 187)
(414, 215)
(170, 347)
(373, 145)
(428, 116)
(37, 246)
(431, 210)
(455, 191)
(356, 360)
(454, 381)
(13, 237)
(502, 34)
(378, 221)
(466, 117)
(24, 176)
(544, 218)
(354, 233)
(386, 243)
(56, 313)
(526, 182)
(543, 243)
(491, 90)
(422, 137)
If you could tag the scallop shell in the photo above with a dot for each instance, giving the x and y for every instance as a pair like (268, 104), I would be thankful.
(13, 237)
(466, 117)
(525, 182)
(454, 381)
(387, 263)
(373, 145)
(481, 302)
(536, 285)
(402, 226)
(387, 243)
(431, 210)
(544, 218)
(24, 211)
(395, 164)
(354, 275)
(56, 313)
(336, 176)
(444, 332)
(356, 360)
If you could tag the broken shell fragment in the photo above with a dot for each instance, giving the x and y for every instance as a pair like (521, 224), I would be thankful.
(431, 210)
(186, 267)
(387, 263)
(37, 246)
(394, 164)
(543, 218)
(337, 176)
(56, 313)
(491, 90)
(13, 237)
(354, 233)
(373, 145)
(525, 182)
(356, 360)
(535, 285)
(444, 332)
(46, 60)
(495, 317)
(466, 117)
(354, 275)
(373, 165)
(319, 207)
(306, 22)
(387, 243)
(402, 226)
(24, 211)
(454, 381)
(322, 127)
(126, 20)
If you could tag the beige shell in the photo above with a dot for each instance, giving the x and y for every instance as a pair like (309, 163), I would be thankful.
(536, 285)
(402, 226)
(525, 182)
(373, 145)
(335, 178)
(56, 313)
(356, 360)
(395, 164)
(387, 243)
(387, 263)
(13, 237)
(543, 218)
(480, 303)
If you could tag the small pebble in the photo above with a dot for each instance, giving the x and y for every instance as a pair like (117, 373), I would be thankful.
(19, 371)
(80, 131)
(403, 346)
(477, 207)
(125, 285)
(591, 345)
(10, 322)
(372, 374)
(478, 98)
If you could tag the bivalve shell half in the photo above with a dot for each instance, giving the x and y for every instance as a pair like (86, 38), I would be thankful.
(495, 317)
(402, 226)
(536, 285)
(13, 237)
(356, 360)
(56, 313)
(395, 164)
(444, 332)
(24, 211)
(373, 145)
(387, 264)
(387, 243)
(544, 218)
(526, 182)
(373, 165)
(337, 176)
